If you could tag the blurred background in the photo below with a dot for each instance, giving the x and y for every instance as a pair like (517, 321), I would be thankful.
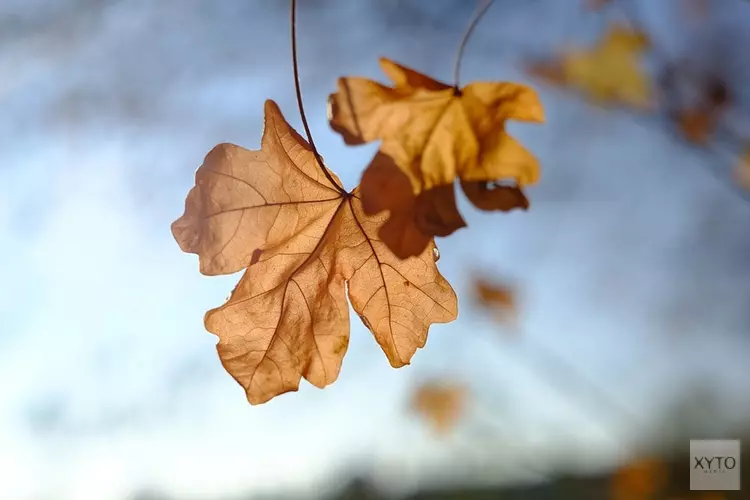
(629, 275)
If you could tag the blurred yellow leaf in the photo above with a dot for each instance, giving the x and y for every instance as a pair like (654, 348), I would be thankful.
(639, 480)
(610, 71)
(440, 403)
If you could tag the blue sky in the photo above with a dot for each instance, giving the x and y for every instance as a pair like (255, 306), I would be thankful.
(632, 262)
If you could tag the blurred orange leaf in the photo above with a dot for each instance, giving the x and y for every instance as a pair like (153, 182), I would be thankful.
(497, 297)
(441, 404)
(699, 120)
(696, 125)
(639, 480)
(304, 243)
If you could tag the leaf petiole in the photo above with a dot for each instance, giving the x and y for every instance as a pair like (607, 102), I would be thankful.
(481, 11)
(303, 117)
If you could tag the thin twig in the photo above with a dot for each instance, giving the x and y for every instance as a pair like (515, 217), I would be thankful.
(469, 30)
(302, 115)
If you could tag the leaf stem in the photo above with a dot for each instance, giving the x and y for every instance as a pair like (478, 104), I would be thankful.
(481, 10)
(297, 88)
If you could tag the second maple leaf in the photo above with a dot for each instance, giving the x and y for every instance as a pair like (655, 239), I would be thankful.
(432, 134)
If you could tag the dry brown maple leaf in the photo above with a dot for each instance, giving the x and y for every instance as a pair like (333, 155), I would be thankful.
(306, 244)
(441, 404)
(435, 134)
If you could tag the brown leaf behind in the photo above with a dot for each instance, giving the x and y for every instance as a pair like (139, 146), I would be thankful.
(413, 220)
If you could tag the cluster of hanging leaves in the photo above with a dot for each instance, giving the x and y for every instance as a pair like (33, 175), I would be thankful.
(612, 72)
(305, 243)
